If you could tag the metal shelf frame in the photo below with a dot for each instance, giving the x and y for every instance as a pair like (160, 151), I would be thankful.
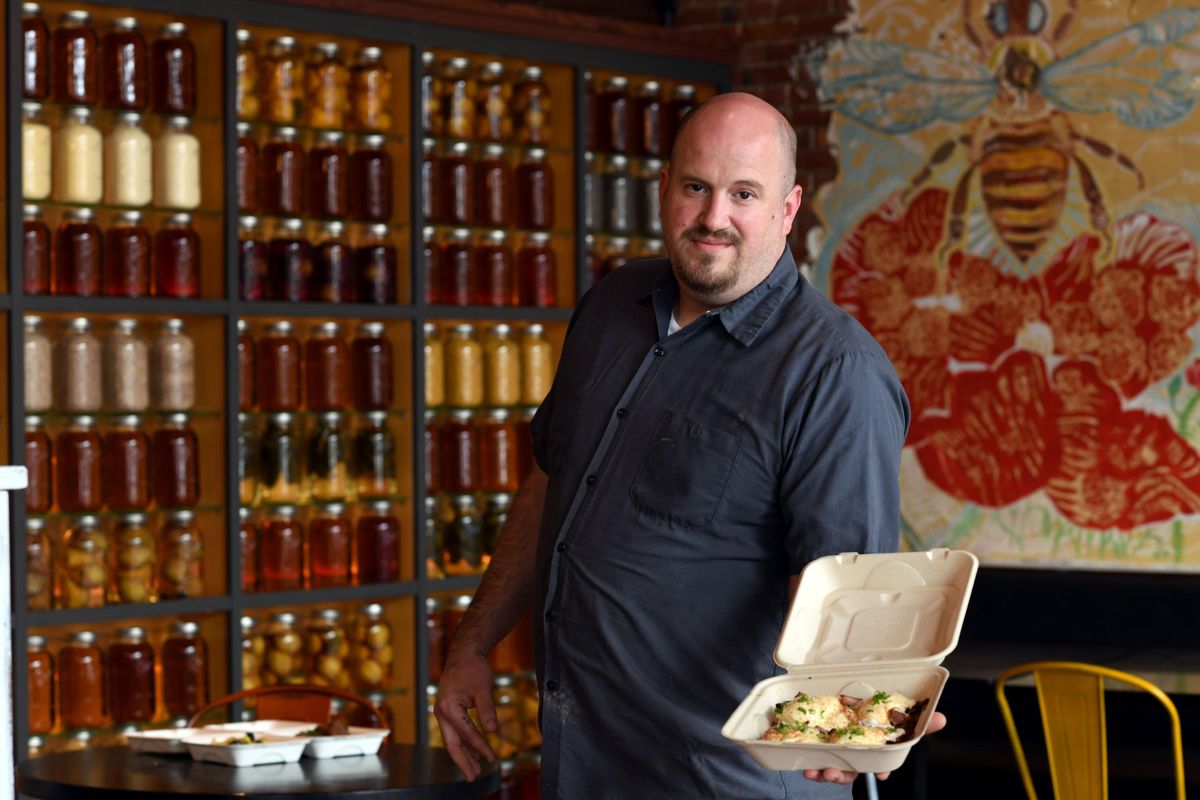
(232, 14)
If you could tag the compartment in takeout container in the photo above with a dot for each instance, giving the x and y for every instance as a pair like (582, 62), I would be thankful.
(355, 742)
(861, 624)
(270, 749)
(279, 727)
(163, 741)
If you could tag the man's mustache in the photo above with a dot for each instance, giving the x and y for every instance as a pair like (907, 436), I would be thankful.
(700, 232)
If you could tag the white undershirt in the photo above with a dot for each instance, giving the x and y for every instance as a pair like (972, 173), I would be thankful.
(673, 326)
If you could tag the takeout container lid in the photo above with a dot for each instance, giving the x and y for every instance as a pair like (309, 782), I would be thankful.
(861, 624)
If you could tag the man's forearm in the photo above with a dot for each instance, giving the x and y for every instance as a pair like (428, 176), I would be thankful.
(507, 589)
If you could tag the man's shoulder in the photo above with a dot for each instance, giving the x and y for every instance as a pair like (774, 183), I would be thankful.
(820, 325)
(632, 281)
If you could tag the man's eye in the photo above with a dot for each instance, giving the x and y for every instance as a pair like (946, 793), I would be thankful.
(745, 195)
(694, 187)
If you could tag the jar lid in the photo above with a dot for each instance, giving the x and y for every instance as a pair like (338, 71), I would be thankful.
(532, 73)
(461, 234)
(429, 329)
(36, 642)
(373, 141)
(462, 601)
(464, 501)
(287, 512)
(460, 148)
(31, 109)
(80, 215)
(329, 328)
(292, 225)
(282, 418)
(173, 325)
(684, 91)
(330, 137)
(82, 736)
(179, 123)
(617, 161)
(174, 29)
(130, 217)
(535, 329)
(31, 211)
(649, 88)
(32, 321)
(535, 154)
(589, 158)
(372, 53)
(135, 632)
(616, 82)
(185, 627)
(86, 638)
(432, 604)
(382, 507)
(457, 63)
(244, 35)
(183, 516)
(243, 128)
(619, 242)
(280, 328)
(492, 69)
(331, 417)
(285, 133)
(460, 414)
(87, 521)
(655, 246)
(502, 681)
(371, 328)
(327, 615)
(284, 618)
(378, 229)
(248, 223)
(501, 329)
(464, 329)
(373, 610)
(427, 145)
(493, 150)
(428, 233)
(244, 513)
(333, 509)
(179, 219)
(377, 417)
(497, 415)
(430, 500)
(249, 623)
(430, 416)
(75, 17)
(427, 57)
(539, 238)
(81, 324)
(31, 10)
(33, 421)
(327, 49)
(495, 236)
(500, 500)
(177, 418)
(129, 420)
(133, 519)
(282, 44)
(589, 240)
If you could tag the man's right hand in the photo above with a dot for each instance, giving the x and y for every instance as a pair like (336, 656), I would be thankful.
(466, 683)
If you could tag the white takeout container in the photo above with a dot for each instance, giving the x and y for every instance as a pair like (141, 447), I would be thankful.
(861, 624)
(271, 750)
(165, 741)
(279, 727)
(358, 742)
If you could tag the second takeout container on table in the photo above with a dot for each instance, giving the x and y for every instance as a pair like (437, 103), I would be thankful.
(861, 624)
(356, 742)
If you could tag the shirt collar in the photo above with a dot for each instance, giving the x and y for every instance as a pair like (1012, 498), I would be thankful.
(745, 316)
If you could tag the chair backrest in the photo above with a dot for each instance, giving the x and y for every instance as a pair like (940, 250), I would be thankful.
(300, 702)
(1071, 698)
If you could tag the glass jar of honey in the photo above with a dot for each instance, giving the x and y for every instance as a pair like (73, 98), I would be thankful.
(254, 649)
(329, 547)
(248, 552)
(180, 557)
(431, 265)
(370, 91)
(35, 153)
(36, 251)
(177, 258)
(81, 682)
(249, 463)
(433, 453)
(78, 253)
(39, 456)
(433, 120)
(135, 550)
(457, 185)
(460, 282)
(621, 196)
(126, 451)
(130, 677)
(649, 223)
(35, 53)
(614, 127)
(281, 183)
(128, 177)
(328, 175)
(535, 191)
(493, 120)
(493, 188)
(537, 365)
(41, 686)
(375, 457)
(495, 514)
(328, 650)
(252, 259)
(458, 98)
(246, 94)
(375, 266)
(531, 108)
(371, 180)
(431, 535)
(39, 566)
(281, 82)
(247, 169)
(173, 364)
(502, 367)
(372, 652)
(83, 569)
(184, 669)
(462, 538)
(127, 251)
(522, 420)
(247, 369)
(39, 367)
(281, 551)
(460, 452)
(593, 193)
(289, 263)
(328, 369)
(537, 272)
(176, 463)
(435, 366)
(279, 369)
(284, 651)
(282, 479)
(431, 174)
(377, 545)
(328, 476)
(683, 100)
(76, 63)
(435, 638)
(464, 368)
(173, 71)
(648, 120)
(371, 360)
(328, 86)
(77, 467)
(498, 452)
(494, 269)
(177, 165)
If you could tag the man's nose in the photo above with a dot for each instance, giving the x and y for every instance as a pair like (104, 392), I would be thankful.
(715, 215)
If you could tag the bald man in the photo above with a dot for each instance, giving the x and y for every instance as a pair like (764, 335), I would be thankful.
(714, 425)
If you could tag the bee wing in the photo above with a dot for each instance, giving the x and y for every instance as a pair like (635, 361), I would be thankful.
(898, 89)
(1147, 74)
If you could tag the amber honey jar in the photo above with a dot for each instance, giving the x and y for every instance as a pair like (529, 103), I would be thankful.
(457, 185)
(458, 98)
(281, 82)
(289, 263)
(248, 549)
(377, 544)
(74, 73)
(493, 117)
(78, 467)
(249, 460)
(78, 252)
(433, 121)
(36, 252)
(246, 95)
(537, 272)
(460, 452)
(130, 677)
(534, 185)
(81, 682)
(329, 547)
(371, 180)
(433, 453)
(371, 359)
(247, 169)
(173, 71)
(41, 686)
(279, 369)
(185, 670)
(493, 188)
(39, 457)
(460, 281)
(127, 256)
(614, 116)
(281, 551)
(247, 372)
(35, 49)
(333, 277)
(502, 367)
(252, 259)
(498, 452)
(464, 368)
(531, 107)
(126, 450)
(494, 270)
(281, 178)
(176, 458)
(177, 258)
(328, 369)
(328, 176)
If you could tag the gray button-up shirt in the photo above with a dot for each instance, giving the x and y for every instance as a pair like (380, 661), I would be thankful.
(689, 476)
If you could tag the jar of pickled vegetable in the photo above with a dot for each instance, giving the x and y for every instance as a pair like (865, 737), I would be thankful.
(248, 551)
(39, 566)
(328, 176)
(35, 153)
(184, 669)
(372, 653)
(370, 91)
(463, 538)
(252, 259)
(431, 535)
(177, 165)
(83, 571)
(35, 251)
(535, 191)
(494, 269)
(76, 63)
(371, 180)
(77, 467)
(460, 282)
(377, 545)
(281, 82)
(498, 453)
(328, 86)
(134, 562)
(495, 514)
(35, 47)
(458, 98)
(127, 465)
(128, 177)
(433, 120)
(279, 369)
(328, 650)
(328, 459)
(502, 367)
(39, 367)
(81, 682)
(289, 263)
(537, 272)
(247, 370)
(431, 265)
(130, 677)
(375, 266)
(493, 120)
(531, 108)
(78, 254)
(460, 452)
(180, 557)
(281, 551)
(247, 169)
(329, 547)
(457, 185)
(173, 363)
(39, 456)
(246, 94)
(176, 463)
(254, 649)
(464, 368)
(281, 184)
(177, 258)
(493, 188)
(435, 366)
(127, 251)
(537, 365)
(282, 479)
(41, 686)
(614, 127)
(371, 360)
(375, 457)
(285, 662)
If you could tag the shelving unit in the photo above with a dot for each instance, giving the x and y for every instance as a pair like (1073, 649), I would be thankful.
(222, 310)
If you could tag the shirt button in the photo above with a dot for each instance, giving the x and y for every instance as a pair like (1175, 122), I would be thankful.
(658, 351)
(549, 616)
(591, 480)
(622, 413)
(552, 686)
(562, 547)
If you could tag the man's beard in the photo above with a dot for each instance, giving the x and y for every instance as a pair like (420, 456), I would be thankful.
(694, 274)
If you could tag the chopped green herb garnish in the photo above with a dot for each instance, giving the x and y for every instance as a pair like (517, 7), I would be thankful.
(879, 697)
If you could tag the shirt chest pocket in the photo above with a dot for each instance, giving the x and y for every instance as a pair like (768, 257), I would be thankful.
(685, 471)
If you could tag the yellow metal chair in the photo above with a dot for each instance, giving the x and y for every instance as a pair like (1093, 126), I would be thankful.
(1071, 699)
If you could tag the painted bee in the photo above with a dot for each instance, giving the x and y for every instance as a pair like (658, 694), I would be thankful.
(1018, 137)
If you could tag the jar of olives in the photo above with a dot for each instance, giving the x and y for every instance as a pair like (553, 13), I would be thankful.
(39, 566)
(133, 565)
(372, 649)
(254, 648)
(180, 557)
(84, 568)
(284, 651)
(328, 650)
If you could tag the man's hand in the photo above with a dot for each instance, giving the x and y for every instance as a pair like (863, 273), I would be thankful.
(466, 683)
(936, 723)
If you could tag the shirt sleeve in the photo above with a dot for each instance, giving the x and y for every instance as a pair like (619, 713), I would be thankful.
(840, 489)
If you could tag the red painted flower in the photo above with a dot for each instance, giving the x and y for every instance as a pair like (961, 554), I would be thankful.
(1193, 374)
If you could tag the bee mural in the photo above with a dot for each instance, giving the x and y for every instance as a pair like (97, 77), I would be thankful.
(1015, 102)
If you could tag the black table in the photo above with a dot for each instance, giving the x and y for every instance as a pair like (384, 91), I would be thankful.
(399, 772)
